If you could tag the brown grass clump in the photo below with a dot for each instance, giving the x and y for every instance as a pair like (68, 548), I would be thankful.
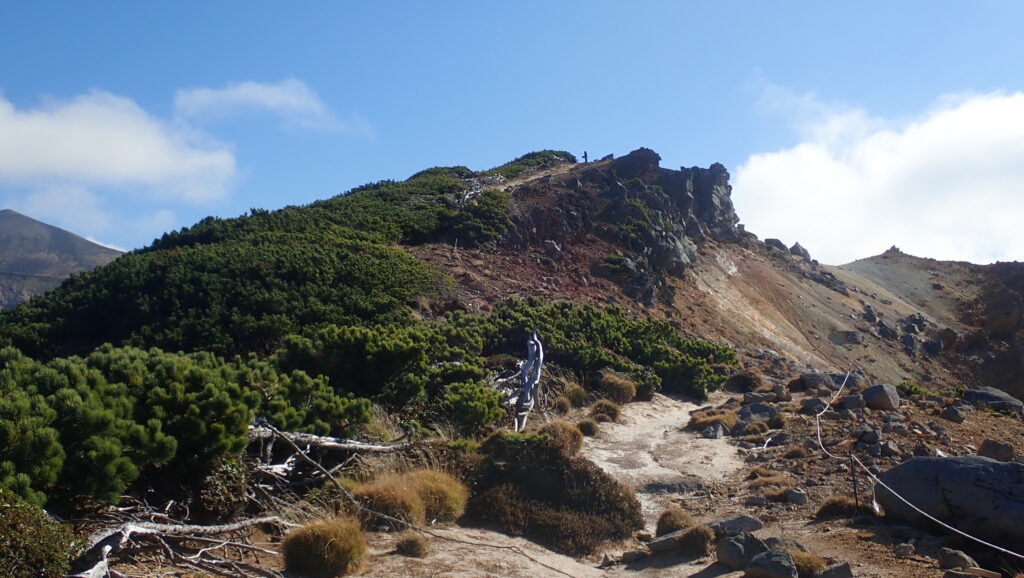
(325, 548)
(412, 545)
(562, 404)
(697, 541)
(564, 435)
(807, 565)
(763, 477)
(744, 381)
(444, 498)
(756, 427)
(393, 497)
(777, 422)
(795, 452)
(607, 408)
(777, 493)
(616, 386)
(842, 507)
(671, 520)
(588, 427)
(708, 417)
(576, 394)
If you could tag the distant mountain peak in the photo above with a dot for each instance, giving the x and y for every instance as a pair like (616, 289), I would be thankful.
(36, 257)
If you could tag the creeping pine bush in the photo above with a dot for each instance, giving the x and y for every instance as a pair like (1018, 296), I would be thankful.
(325, 548)
(529, 486)
(31, 544)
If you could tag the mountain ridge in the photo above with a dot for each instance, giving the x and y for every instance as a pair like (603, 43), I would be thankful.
(36, 257)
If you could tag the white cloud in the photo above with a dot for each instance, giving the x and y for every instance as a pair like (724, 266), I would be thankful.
(85, 213)
(291, 99)
(946, 185)
(101, 139)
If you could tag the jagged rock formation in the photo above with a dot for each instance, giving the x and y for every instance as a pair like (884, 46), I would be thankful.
(36, 257)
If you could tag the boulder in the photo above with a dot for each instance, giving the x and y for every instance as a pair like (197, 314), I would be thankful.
(772, 564)
(758, 397)
(736, 551)
(883, 397)
(732, 525)
(950, 558)
(777, 244)
(837, 570)
(781, 393)
(798, 250)
(797, 496)
(994, 399)
(552, 250)
(953, 414)
(757, 412)
(813, 405)
(855, 401)
(979, 495)
(814, 380)
(997, 450)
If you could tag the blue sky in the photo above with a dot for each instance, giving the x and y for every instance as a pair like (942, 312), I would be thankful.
(848, 127)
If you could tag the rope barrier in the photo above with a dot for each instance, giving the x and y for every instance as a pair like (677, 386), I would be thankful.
(821, 444)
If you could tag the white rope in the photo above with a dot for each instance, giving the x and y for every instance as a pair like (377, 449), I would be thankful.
(817, 419)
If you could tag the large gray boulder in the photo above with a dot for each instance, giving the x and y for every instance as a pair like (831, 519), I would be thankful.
(732, 525)
(771, 564)
(995, 399)
(975, 494)
(757, 412)
(737, 551)
(883, 397)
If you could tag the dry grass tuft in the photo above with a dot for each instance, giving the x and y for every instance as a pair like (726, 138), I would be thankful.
(444, 498)
(564, 435)
(412, 544)
(588, 427)
(562, 404)
(576, 394)
(744, 381)
(842, 507)
(807, 565)
(777, 493)
(606, 408)
(795, 452)
(392, 497)
(763, 477)
(616, 386)
(756, 427)
(325, 548)
(709, 417)
(672, 519)
(697, 541)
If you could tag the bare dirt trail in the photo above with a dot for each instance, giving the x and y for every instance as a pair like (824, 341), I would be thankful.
(649, 451)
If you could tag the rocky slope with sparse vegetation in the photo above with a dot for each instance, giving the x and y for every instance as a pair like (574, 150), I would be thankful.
(287, 373)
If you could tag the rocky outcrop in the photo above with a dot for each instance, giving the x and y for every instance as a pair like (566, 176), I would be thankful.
(994, 399)
(975, 494)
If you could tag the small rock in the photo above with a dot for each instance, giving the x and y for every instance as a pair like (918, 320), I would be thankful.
(644, 536)
(813, 405)
(997, 450)
(732, 525)
(713, 432)
(824, 391)
(904, 550)
(758, 397)
(771, 564)
(607, 560)
(837, 570)
(631, 557)
(756, 501)
(883, 397)
(781, 393)
(757, 412)
(953, 414)
(855, 401)
(785, 543)
(950, 558)
(890, 449)
(552, 250)
(871, 437)
(797, 496)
